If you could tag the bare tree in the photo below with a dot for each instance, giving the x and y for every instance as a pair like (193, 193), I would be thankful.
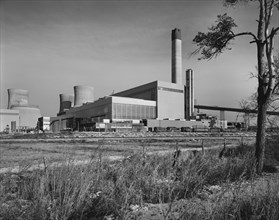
(218, 38)
(248, 104)
(251, 102)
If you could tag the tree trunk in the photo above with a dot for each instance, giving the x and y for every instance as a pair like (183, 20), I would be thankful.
(260, 138)
(261, 100)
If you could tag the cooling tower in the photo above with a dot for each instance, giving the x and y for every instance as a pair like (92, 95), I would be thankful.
(18, 97)
(83, 94)
(189, 94)
(66, 102)
(28, 116)
(176, 57)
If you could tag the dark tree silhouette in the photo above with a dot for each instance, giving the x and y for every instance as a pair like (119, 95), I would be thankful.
(217, 40)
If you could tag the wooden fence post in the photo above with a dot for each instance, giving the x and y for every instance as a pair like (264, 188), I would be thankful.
(202, 146)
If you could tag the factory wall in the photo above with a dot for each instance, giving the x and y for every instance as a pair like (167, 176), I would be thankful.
(170, 100)
(152, 123)
(112, 107)
(168, 96)
(131, 111)
(147, 92)
(130, 108)
(10, 118)
(44, 123)
(120, 108)
(28, 116)
(96, 110)
(55, 124)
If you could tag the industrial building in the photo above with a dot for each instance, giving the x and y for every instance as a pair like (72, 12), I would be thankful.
(155, 104)
(9, 120)
(19, 115)
(169, 98)
(108, 109)
(44, 123)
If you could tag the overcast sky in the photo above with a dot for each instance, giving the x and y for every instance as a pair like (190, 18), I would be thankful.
(47, 47)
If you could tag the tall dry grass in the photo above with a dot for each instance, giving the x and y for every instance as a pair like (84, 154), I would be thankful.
(105, 188)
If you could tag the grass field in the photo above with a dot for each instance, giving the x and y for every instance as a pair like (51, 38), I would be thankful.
(26, 150)
(146, 181)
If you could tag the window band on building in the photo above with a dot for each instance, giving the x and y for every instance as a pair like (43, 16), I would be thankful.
(170, 89)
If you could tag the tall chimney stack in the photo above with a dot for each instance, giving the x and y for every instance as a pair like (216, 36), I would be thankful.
(189, 94)
(176, 56)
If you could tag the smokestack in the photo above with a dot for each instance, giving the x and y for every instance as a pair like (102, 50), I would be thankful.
(18, 98)
(66, 102)
(196, 111)
(176, 57)
(189, 94)
(83, 94)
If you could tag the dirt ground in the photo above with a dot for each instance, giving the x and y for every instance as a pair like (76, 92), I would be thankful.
(25, 151)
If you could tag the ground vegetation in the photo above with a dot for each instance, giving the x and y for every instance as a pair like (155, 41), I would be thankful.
(190, 185)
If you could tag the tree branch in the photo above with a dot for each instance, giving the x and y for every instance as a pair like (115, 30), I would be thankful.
(270, 61)
(247, 33)
(214, 47)
(241, 34)
(270, 12)
(274, 88)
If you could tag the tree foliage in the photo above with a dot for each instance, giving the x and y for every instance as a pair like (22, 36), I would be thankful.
(215, 41)
(218, 39)
(235, 2)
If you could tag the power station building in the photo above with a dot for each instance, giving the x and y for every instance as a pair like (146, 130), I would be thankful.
(9, 120)
(169, 98)
(156, 104)
(19, 115)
